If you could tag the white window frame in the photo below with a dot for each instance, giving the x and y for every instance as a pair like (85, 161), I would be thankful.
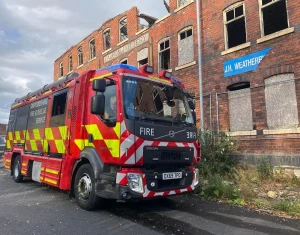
(61, 69)
(225, 23)
(125, 17)
(184, 30)
(104, 41)
(124, 60)
(159, 51)
(92, 53)
(70, 58)
(188, 1)
(261, 7)
(79, 49)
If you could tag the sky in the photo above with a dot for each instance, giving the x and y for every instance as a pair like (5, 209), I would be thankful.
(33, 33)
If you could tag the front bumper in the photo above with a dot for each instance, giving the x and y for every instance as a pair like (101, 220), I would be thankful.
(120, 189)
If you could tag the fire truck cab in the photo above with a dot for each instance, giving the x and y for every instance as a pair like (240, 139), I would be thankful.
(118, 133)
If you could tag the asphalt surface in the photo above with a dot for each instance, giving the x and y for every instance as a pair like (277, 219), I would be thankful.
(32, 208)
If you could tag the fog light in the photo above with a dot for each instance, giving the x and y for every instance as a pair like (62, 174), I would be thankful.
(124, 195)
(196, 180)
(135, 182)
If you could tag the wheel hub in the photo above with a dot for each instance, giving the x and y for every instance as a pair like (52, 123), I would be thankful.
(85, 186)
(17, 169)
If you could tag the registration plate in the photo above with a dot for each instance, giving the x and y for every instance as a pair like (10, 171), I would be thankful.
(172, 175)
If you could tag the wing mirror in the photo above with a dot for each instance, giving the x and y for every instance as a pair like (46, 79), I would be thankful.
(98, 105)
(99, 85)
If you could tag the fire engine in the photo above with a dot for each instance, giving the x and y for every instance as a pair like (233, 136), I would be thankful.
(119, 133)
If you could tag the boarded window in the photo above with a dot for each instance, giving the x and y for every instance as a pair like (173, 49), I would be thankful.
(80, 56)
(281, 103)
(274, 16)
(123, 29)
(61, 69)
(70, 63)
(235, 26)
(92, 49)
(185, 47)
(164, 55)
(106, 37)
(240, 108)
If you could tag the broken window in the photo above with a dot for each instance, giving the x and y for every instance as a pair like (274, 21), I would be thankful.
(61, 69)
(124, 61)
(70, 63)
(235, 25)
(106, 36)
(281, 102)
(123, 29)
(80, 56)
(182, 2)
(274, 16)
(164, 55)
(240, 107)
(92, 49)
(185, 46)
(142, 57)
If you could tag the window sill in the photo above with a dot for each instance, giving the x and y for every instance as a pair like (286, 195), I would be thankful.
(92, 59)
(108, 50)
(185, 65)
(282, 131)
(141, 31)
(70, 72)
(241, 133)
(237, 48)
(161, 19)
(120, 43)
(275, 35)
(80, 66)
(183, 6)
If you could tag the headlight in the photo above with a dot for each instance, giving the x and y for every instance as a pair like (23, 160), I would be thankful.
(196, 180)
(135, 182)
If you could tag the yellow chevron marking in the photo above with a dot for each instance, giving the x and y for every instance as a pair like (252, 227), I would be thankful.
(6, 167)
(36, 134)
(60, 146)
(50, 181)
(117, 129)
(10, 136)
(54, 172)
(23, 172)
(63, 132)
(49, 134)
(33, 145)
(94, 130)
(80, 144)
(24, 164)
(17, 134)
(114, 147)
(9, 161)
(100, 77)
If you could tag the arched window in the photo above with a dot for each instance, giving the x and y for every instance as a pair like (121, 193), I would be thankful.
(80, 56)
(106, 39)
(70, 63)
(92, 49)
(61, 69)
(240, 107)
(124, 61)
(235, 25)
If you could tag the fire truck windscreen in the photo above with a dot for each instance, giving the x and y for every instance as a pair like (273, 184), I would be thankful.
(147, 100)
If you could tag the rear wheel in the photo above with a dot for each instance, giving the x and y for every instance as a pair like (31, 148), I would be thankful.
(17, 170)
(84, 188)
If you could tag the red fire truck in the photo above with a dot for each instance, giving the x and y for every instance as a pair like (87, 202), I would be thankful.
(116, 133)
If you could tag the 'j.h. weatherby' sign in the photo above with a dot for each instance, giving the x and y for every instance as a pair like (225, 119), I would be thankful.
(245, 63)
(139, 41)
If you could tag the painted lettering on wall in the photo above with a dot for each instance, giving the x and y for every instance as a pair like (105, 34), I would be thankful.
(245, 63)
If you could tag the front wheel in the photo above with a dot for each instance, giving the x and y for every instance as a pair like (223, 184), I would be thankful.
(18, 177)
(84, 188)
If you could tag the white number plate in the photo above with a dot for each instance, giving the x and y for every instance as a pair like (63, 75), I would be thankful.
(172, 175)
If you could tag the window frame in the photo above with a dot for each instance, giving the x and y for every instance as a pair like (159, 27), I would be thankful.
(160, 51)
(188, 1)
(185, 30)
(70, 58)
(225, 23)
(124, 59)
(104, 39)
(92, 56)
(61, 69)
(123, 18)
(79, 52)
(261, 16)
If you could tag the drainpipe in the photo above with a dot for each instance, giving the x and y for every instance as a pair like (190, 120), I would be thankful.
(200, 66)
(217, 110)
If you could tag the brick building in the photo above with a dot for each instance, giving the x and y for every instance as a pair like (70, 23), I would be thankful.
(251, 65)
(251, 72)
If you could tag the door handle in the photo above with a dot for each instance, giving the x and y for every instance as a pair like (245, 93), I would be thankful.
(91, 138)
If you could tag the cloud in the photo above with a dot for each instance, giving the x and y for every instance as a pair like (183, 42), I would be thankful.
(33, 33)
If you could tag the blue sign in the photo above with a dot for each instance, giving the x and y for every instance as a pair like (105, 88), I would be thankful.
(245, 63)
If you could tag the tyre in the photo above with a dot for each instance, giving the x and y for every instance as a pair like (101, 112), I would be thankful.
(16, 170)
(84, 188)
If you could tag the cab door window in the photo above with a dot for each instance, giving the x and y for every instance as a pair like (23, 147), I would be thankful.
(110, 103)
(59, 109)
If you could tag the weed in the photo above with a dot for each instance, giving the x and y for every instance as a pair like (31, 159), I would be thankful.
(264, 169)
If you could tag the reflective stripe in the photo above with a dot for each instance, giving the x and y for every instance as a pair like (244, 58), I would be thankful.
(100, 77)
(9, 161)
(50, 181)
(52, 171)
(23, 172)
(94, 130)
(24, 164)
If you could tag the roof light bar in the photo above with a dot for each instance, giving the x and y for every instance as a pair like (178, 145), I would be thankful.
(165, 74)
(147, 69)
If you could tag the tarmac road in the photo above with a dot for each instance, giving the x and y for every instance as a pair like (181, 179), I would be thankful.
(32, 208)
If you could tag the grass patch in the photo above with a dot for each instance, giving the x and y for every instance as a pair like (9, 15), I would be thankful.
(287, 206)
